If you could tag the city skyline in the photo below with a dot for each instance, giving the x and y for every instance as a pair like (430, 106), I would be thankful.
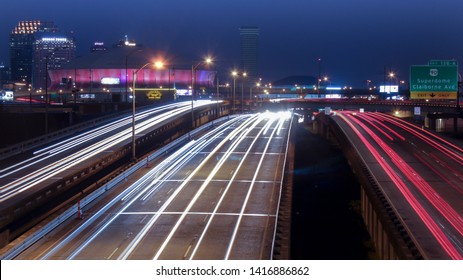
(251, 131)
(356, 41)
(36, 46)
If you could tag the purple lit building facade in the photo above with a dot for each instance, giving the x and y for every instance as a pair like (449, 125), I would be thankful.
(111, 72)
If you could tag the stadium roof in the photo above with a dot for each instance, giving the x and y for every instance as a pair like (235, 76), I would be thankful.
(123, 57)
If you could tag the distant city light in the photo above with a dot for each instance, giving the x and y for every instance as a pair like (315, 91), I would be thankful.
(55, 39)
(130, 44)
(389, 89)
(110, 81)
(336, 96)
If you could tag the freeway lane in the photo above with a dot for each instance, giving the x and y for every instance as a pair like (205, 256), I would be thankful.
(420, 173)
(216, 198)
(22, 178)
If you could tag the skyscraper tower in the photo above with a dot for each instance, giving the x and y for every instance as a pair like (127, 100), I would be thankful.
(50, 51)
(21, 40)
(249, 43)
(34, 45)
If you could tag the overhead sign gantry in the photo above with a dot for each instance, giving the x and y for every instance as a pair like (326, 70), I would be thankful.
(437, 80)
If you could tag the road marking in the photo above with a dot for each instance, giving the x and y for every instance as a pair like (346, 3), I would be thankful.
(199, 213)
(187, 250)
(112, 254)
(143, 219)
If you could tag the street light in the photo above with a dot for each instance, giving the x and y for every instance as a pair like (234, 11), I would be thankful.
(46, 93)
(250, 94)
(392, 75)
(459, 85)
(126, 72)
(157, 64)
(368, 84)
(217, 95)
(208, 60)
(319, 77)
(242, 92)
(234, 74)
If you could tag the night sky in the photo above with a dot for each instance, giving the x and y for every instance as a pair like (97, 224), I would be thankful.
(355, 39)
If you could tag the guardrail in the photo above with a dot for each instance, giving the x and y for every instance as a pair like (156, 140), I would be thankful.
(44, 139)
(72, 211)
(392, 225)
(65, 132)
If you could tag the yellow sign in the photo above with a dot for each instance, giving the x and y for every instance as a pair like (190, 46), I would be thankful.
(154, 94)
(433, 95)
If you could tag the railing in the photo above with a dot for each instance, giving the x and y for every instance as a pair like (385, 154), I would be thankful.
(399, 235)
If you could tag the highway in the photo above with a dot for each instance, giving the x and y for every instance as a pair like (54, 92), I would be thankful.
(420, 173)
(22, 176)
(216, 197)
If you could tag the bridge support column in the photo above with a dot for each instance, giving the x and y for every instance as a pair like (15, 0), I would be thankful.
(4, 238)
(386, 229)
(378, 232)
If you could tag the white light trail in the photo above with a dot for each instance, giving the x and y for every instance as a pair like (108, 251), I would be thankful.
(206, 182)
(144, 180)
(248, 195)
(40, 175)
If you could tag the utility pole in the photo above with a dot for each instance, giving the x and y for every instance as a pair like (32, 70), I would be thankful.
(319, 77)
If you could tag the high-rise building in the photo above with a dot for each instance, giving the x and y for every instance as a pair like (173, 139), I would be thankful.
(50, 51)
(22, 38)
(3, 76)
(125, 43)
(98, 47)
(249, 43)
(36, 46)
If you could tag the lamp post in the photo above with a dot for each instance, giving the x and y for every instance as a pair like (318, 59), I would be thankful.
(30, 96)
(134, 80)
(208, 60)
(234, 74)
(459, 85)
(319, 77)
(217, 95)
(242, 91)
(126, 72)
(46, 94)
(250, 95)
(392, 75)
(368, 84)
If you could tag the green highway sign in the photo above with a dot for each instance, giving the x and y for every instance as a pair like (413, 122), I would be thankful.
(442, 63)
(433, 81)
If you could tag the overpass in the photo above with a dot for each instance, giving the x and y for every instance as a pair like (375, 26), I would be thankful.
(34, 184)
(411, 180)
(392, 238)
(215, 197)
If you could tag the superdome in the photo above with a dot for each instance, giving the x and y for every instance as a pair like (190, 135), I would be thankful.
(114, 69)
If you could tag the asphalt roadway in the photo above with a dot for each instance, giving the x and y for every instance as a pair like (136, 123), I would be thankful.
(421, 175)
(217, 198)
